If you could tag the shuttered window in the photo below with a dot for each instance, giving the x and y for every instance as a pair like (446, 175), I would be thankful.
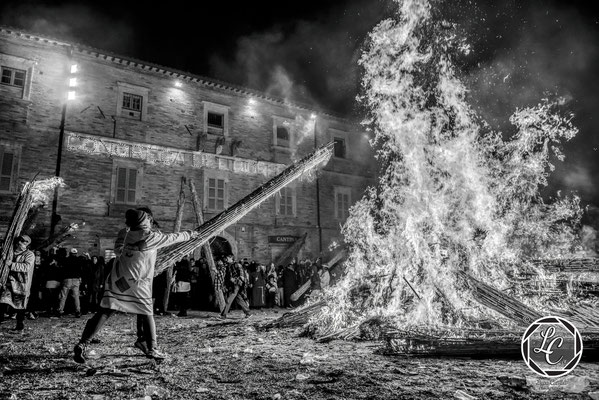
(126, 185)
(7, 159)
(286, 201)
(216, 194)
(342, 202)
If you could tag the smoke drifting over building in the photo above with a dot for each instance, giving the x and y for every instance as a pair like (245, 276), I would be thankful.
(304, 52)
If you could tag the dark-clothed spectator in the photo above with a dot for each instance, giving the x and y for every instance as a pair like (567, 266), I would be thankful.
(258, 291)
(182, 286)
(194, 298)
(281, 290)
(86, 283)
(271, 291)
(206, 293)
(289, 284)
(52, 276)
(35, 298)
(98, 277)
(71, 280)
(315, 278)
(159, 292)
(18, 284)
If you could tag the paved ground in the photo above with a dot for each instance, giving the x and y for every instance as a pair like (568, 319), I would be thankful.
(214, 359)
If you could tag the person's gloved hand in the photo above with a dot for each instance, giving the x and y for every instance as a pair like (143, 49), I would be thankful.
(194, 234)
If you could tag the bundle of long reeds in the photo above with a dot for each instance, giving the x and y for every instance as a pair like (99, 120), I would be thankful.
(295, 318)
(500, 302)
(575, 265)
(32, 193)
(171, 254)
(349, 333)
(585, 316)
(19, 215)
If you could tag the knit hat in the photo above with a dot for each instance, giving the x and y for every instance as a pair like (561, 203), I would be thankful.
(148, 211)
(25, 238)
(134, 218)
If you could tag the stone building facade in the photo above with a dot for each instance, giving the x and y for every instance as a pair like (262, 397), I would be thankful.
(133, 129)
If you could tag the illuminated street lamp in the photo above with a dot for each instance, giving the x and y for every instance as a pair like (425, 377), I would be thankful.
(71, 95)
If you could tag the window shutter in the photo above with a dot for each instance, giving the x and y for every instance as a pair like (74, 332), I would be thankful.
(131, 186)
(220, 194)
(121, 184)
(277, 202)
(6, 170)
(139, 183)
(294, 202)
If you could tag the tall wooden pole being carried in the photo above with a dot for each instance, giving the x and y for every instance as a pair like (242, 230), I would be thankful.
(176, 228)
(197, 206)
(237, 211)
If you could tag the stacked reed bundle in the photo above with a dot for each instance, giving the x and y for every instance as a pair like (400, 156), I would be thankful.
(33, 193)
(572, 265)
(24, 202)
(500, 302)
(461, 343)
(171, 254)
(295, 318)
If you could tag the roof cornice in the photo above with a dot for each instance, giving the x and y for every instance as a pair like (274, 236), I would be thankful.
(167, 71)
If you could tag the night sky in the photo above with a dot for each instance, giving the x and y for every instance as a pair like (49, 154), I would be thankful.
(308, 50)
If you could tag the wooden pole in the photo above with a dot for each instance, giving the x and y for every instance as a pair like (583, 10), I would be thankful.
(176, 228)
(197, 206)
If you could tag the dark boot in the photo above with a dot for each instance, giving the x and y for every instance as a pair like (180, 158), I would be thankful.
(80, 353)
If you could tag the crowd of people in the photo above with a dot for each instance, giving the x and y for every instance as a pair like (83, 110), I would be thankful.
(66, 282)
(61, 274)
(247, 283)
(41, 283)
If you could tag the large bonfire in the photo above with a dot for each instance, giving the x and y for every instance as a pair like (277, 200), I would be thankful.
(453, 196)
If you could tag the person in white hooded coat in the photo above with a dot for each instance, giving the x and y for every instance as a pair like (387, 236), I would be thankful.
(128, 288)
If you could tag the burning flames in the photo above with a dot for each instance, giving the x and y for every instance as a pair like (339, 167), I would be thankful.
(452, 195)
